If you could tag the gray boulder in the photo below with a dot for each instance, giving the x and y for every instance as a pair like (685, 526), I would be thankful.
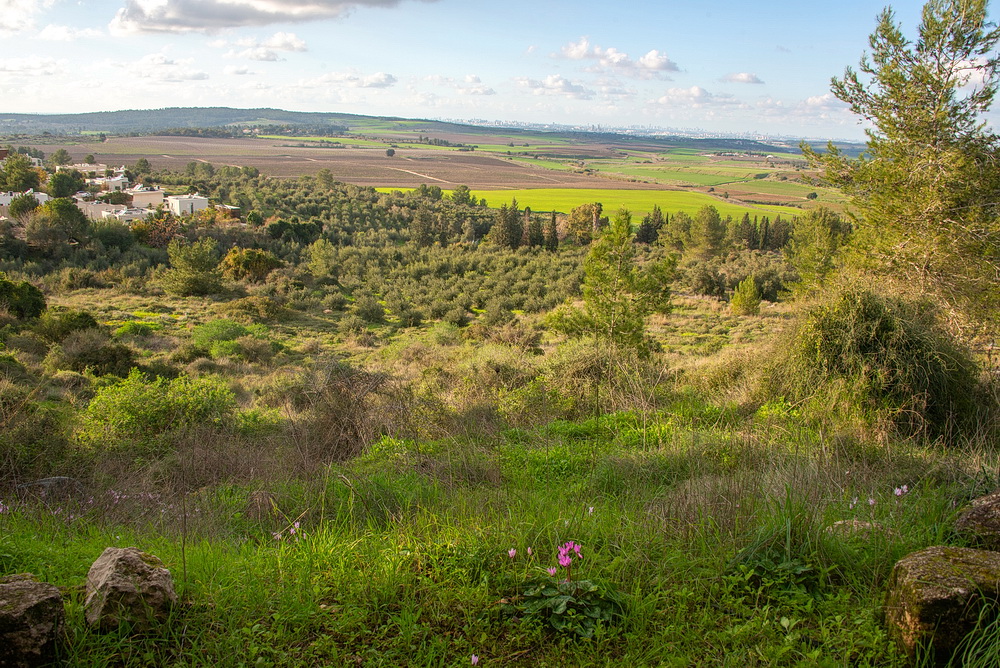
(936, 597)
(31, 621)
(980, 523)
(127, 585)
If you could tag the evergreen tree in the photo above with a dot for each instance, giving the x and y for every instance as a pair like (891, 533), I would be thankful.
(193, 268)
(926, 193)
(552, 234)
(816, 239)
(619, 293)
(708, 232)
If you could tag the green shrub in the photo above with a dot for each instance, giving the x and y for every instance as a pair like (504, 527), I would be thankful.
(256, 308)
(194, 268)
(91, 350)
(368, 309)
(138, 410)
(206, 334)
(249, 264)
(33, 438)
(21, 299)
(886, 357)
(55, 326)
(746, 298)
(137, 328)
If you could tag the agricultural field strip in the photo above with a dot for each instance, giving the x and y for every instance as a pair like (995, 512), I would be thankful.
(639, 202)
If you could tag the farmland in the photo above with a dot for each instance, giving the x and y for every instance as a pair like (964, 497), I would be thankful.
(683, 173)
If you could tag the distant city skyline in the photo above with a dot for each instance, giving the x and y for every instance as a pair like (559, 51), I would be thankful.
(724, 67)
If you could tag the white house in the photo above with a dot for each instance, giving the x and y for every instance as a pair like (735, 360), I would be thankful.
(128, 215)
(145, 197)
(182, 205)
(6, 198)
(110, 182)
(85, 168)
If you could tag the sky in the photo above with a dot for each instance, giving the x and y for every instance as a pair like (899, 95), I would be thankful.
(723, 66)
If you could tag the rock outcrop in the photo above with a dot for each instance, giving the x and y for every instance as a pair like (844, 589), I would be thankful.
(937, 595)
(31, 621)
(981, 522)
(130, 586)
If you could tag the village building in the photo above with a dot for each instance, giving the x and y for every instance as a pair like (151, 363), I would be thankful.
(183, 205)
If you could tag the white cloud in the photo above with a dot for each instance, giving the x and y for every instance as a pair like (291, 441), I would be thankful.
(32, 66)
(556, 84)
(695, 96)
(263, 51)
(285, 41)
(742, 77)
(54, 33)
(652, 64)
(470, 84)
(351, 79)
(19, 15)
(209, 15)
(160, 67)
(234, 70)
(258, 53)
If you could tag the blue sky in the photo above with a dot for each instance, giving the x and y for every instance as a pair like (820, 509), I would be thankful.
(723, 66)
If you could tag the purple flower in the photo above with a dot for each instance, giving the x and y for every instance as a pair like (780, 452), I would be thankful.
(565, 560)
(475, 660)
(590, 510)
(871, 501)
(529, 551)
(552, 570)
(511, 553)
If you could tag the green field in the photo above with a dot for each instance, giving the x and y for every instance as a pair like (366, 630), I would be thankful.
(639, 202)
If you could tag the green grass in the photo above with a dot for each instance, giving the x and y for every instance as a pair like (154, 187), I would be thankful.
(639, 202)
(401, 557)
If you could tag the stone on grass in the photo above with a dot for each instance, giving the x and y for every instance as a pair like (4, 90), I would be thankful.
(126, 585)
(981, 522)
(31, 621)
(937, 595)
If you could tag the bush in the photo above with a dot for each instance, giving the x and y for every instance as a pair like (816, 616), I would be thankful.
(91, 350)
(138, 410)
(891, 360)
(368, 309)
(194, 268)
(137, 328)
(33, 439)
(255, 309)
(746, 298)
(21, 299)
(57, 325)
(248, 264)
(205, 334)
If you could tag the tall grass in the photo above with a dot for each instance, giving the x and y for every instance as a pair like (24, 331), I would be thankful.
(716, 532)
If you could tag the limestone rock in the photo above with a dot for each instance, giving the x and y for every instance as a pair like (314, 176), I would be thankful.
(127, 585)
(31, 621)
(981, 522)
(936, 596)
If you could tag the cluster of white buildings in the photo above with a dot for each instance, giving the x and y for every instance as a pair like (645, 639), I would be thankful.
(143, 199)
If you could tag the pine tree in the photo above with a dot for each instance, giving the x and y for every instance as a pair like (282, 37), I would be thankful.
(552, 234)
(926, 193)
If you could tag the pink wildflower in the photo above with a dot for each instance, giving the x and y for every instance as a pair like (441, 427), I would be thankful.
(511, 553)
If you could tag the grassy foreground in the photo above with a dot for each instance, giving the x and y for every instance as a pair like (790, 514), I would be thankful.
(711, 529)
